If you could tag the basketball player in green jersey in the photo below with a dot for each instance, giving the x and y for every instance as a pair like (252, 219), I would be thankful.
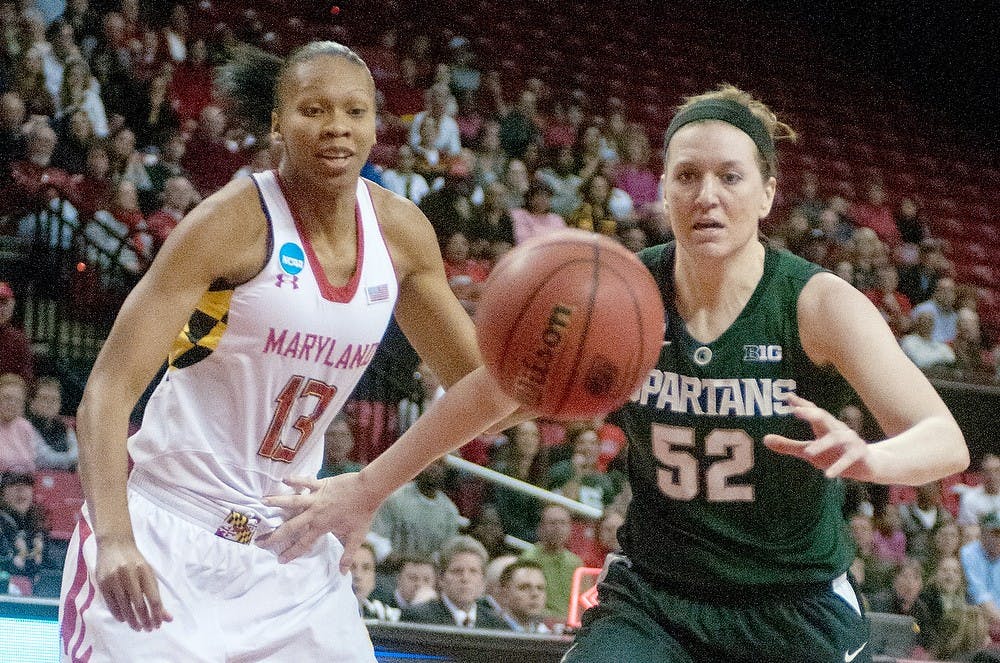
(734, 547)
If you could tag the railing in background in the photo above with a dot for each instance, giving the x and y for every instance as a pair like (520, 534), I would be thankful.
(70, 275)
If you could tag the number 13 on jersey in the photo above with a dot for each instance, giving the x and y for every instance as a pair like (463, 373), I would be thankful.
(678, 477)
(271, 446)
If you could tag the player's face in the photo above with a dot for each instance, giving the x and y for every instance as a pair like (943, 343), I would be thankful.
(326, 119)
(714, 193)
(462, 582)
(363, 573)
(526, 594)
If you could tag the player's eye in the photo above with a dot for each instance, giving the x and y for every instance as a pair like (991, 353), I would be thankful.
(732, 178)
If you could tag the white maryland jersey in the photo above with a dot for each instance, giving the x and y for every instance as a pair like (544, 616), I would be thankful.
(261, 369)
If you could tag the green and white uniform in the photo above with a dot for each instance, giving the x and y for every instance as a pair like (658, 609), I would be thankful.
(721, 531)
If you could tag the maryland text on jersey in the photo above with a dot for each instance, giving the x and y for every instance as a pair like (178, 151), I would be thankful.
(318, 348)
(722, 397)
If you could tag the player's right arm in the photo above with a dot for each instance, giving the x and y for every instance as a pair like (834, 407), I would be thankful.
(224, 237)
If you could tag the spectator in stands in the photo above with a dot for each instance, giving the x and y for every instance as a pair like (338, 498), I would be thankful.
(23, 536)
(125, 210)
(57, 435)
(874, 213)
(363, 583)
(30, 85)
(12, 140)
(605, 539)
(888, 535)
(427, 389)
(517, 180)
(111, 64)
(176, 35)
(894, 306)
(562, 178)
(945, 543)
(462, 602)
(877, 573)
(491, 230)
(79, 91)
(84, 19)
(169, 162)
(19, 441)
(491, 160)
(403, 180)
(921, 518)
(918, 281)
(34, 181)
(536, 217)
(75, 136)
(594, 213)
(981, 565)
(977, 501)
(522, 588)
(127, 163)
(418, 518)
(519, 128)
(179, 197)
(404, 97)
(465, 76)
(837, 229)
(191, 83)
(557, 562)
(429, 161)
(941, 306)
(465, 274)
(15, 350)
(338, 441)
(578, 477)
(94, 189)
(153, 117)
(414, 582)
(633, 175)
(970, 352)
(209, 159)
(867, 254)
(920, 345)
(449, 208)
(447, 138)
(487, 528)
(943, 593)
(964, 635)
(910, 224)
(520, 457)
(905, 597)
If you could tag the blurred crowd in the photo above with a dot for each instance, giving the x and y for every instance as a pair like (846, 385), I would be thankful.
(108, 118)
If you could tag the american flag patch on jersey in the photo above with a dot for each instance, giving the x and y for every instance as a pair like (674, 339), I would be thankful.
(238, 527)
(377, 293)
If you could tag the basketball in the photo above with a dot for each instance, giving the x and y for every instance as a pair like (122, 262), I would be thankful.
(569, 324)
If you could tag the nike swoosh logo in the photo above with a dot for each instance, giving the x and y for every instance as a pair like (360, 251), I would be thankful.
(850, 656)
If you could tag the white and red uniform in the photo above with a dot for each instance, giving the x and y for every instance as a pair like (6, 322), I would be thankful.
(254, 380)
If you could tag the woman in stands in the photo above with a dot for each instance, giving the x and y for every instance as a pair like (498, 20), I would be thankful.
(734, 546)
(269, 300)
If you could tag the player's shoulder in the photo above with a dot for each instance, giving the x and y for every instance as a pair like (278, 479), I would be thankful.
(397, 214)
(235, 206)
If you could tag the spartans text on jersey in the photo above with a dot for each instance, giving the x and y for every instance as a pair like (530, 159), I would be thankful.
(722, 397)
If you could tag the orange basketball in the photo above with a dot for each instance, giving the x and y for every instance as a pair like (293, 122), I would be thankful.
(570, 323)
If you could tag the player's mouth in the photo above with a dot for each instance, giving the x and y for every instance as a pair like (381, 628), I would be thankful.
(708, 224)
(336, 156)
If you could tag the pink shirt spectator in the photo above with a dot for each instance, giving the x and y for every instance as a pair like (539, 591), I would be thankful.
(528, 225)
(639, 183)
(891, 548)
(18, 445)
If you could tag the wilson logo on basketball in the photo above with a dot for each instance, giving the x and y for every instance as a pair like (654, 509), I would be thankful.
(535, 366)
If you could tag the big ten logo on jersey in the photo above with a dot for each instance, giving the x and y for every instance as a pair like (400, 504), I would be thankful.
(292, 260)
(762, 353)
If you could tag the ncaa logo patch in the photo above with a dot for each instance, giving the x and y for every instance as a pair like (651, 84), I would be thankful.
(291, 258)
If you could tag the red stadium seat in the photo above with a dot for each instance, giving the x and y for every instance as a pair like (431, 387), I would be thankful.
(61, 495)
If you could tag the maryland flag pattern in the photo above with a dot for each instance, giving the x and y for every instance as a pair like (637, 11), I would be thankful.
(238, 527)
(203, 331)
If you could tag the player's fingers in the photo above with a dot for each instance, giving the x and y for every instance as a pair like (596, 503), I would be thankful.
(844, 463)
(785, 445)
(137, 601)
(151, 589)
(351, 545)
(113, 597)
(300, 482)
(798, 401)
(824, 444)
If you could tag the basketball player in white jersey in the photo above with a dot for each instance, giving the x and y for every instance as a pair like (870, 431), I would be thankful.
(269, 299)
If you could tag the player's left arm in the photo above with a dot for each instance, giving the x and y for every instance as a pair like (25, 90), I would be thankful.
(840, 327)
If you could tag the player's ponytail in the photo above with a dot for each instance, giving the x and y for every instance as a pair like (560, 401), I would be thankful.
(249, 82)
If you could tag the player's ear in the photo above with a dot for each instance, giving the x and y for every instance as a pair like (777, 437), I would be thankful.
(275, 124)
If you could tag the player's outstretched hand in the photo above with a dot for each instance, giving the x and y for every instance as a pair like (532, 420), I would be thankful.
(336, 504)
(129, 585)
(837, 450)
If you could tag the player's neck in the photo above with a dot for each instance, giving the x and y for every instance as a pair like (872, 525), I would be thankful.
(319, 209)
(710, 295)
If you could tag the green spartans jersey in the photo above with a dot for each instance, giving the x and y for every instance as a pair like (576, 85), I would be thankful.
(713, 510)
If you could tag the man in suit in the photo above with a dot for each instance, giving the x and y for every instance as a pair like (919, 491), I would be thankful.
(462, 586)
